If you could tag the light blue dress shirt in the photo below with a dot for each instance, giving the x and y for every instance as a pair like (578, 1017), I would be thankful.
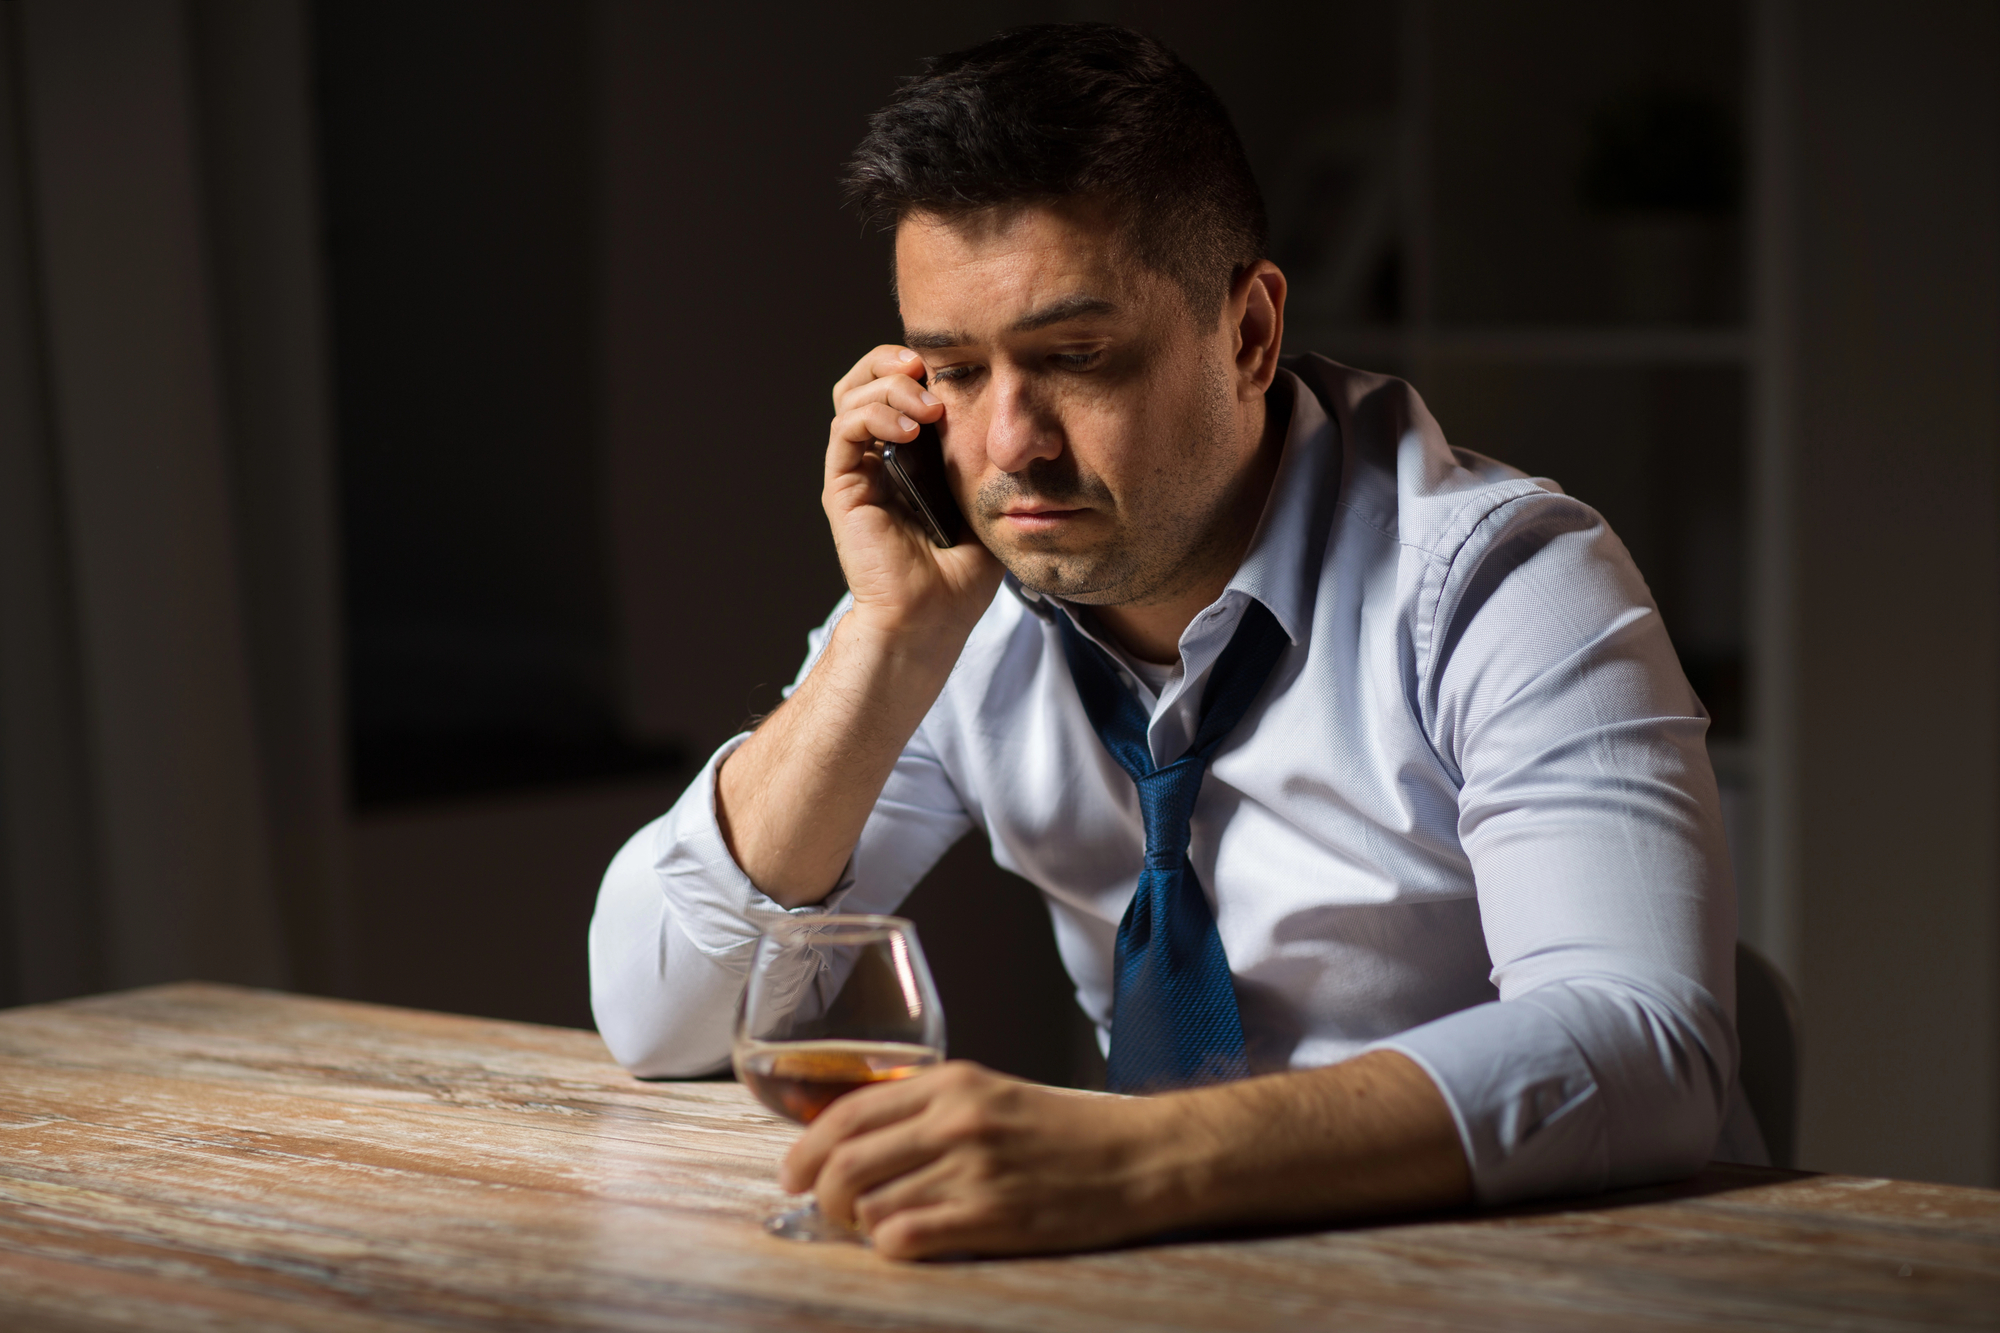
(1471, 818)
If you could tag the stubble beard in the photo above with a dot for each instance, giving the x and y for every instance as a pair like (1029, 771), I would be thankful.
(1164, 540)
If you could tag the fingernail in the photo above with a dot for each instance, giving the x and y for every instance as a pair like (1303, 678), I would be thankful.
(930, 399)
(906, 356)
(906, 423)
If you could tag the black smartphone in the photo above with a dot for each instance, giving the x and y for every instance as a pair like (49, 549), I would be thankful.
(917, 468)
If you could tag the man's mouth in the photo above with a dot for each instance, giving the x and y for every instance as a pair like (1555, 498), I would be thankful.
(1051, 503)
(1039, 518)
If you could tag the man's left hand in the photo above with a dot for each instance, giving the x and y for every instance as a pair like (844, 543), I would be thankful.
(961, 1160)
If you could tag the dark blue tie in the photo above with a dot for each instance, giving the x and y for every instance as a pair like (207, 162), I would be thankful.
(1174, 1022)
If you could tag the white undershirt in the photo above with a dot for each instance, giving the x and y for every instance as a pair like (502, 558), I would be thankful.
(1155, 676)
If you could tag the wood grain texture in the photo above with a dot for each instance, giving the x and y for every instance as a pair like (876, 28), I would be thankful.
(208, 1157)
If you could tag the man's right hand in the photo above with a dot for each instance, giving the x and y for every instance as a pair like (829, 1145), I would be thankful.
(792, 800)
(900, 581)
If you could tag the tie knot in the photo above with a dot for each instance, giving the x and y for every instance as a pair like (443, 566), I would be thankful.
(1166, 803)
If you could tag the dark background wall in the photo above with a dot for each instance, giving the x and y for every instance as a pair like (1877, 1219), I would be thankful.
(461, 232)
(410, 418)
(1895, 360)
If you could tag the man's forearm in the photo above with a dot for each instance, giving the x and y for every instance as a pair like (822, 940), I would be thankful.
(1370, 1136)
(962, 1160)
(791, 801)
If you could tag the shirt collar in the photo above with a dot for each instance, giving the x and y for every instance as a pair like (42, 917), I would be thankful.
(1281, 568)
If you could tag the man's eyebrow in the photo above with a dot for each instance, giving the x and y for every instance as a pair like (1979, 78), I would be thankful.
(1075, 306)
(1055, 312)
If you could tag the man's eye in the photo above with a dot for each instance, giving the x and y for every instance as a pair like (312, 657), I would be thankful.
(1077, 360)
(949, 373)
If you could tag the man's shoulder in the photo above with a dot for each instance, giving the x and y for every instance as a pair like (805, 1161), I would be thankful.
(1399, 474)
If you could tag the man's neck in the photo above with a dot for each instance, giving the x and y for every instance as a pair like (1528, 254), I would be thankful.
(1152, 631)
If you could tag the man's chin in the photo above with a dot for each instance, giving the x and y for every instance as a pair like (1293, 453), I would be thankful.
(1073, 580)
(1056, 565)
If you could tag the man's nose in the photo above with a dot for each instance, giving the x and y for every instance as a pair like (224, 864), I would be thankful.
(1020, 430)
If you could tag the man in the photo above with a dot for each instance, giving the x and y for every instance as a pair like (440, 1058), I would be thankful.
(1348, 762)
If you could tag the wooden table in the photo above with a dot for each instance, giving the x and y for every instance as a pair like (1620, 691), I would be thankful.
(203, 1156)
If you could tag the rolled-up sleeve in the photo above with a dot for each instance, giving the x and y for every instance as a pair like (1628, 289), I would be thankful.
(1589, 812)
(677, 919)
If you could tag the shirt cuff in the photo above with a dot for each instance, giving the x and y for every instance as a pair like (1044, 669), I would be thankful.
(1528, 1111)
(710, 898)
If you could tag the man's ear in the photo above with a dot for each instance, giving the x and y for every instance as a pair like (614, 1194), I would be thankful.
(1257, 308)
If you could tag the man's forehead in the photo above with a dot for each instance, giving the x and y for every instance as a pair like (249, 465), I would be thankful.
(964, 280)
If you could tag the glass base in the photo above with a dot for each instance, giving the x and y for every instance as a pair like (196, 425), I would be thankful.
(809, 1223)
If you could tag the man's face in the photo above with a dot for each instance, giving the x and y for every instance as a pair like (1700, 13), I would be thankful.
(1095, 435)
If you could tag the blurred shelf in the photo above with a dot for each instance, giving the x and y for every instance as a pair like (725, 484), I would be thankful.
(1610, 345)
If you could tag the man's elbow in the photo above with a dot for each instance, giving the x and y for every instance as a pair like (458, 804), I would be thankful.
(1665, 1125)
(662, 1007)
(1671, 1142)
(1643, 1104)
(660, 1049)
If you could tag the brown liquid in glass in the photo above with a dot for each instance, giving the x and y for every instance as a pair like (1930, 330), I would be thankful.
(798, 1080)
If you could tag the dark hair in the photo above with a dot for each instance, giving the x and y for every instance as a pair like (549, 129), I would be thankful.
(1072, 111)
